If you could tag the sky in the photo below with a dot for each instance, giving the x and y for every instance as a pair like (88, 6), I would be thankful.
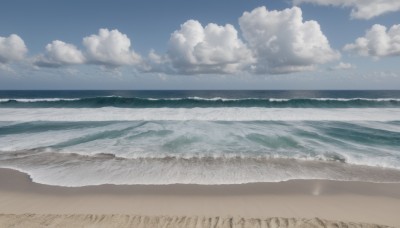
(224, 44)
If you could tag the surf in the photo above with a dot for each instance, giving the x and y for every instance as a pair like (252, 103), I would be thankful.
(193, 102)
(204, 114)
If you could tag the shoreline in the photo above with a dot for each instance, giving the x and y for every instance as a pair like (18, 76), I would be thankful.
(375, 203)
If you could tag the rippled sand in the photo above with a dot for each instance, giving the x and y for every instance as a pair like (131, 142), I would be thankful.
(109, 221)
(296, 203)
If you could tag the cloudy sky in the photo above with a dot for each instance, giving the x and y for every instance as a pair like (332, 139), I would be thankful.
(224, 44)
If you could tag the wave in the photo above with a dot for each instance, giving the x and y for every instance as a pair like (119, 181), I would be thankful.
(361, 143)
(202, 114)
(82, 153)
(67, 170)
(33, 100)
(192, 102)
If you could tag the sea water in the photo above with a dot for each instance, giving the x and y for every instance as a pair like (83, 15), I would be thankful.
(78, 138)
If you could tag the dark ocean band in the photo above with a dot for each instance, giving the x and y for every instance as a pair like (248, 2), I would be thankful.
(192, 102)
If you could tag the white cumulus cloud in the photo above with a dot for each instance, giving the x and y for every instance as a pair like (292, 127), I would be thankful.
(360, 9)
(59, 53)
(377, 42)
(275, 42)
(110, 48)
(156, 63)
(342, 66)
(12, 48)
(211, 49)
(283, 43)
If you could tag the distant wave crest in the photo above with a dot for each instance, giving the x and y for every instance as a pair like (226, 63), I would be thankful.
(192, 102)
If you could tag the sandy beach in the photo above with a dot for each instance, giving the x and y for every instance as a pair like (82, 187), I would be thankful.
(23, 202)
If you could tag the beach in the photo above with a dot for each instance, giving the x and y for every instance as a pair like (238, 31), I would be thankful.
(199, 159)
(24, 202)
(200, 114)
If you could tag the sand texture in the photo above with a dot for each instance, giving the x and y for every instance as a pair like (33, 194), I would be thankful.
(109, 221)
(356, 204)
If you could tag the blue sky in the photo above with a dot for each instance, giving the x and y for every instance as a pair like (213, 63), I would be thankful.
(292, 44)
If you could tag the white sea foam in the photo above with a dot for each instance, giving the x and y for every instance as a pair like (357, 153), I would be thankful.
(208, 114)
(68, 170)
(278, 99)
(31, 100)
(199, 139)
(199, 152)
(353, 99)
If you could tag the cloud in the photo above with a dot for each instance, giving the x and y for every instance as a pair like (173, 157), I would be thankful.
(360, 9)
(59, 54)
(194, 49)
(342, 66)
(12, 48)
(110, 48)
(156, 63)
(5, 68)
(283, 43)
(275, 42)
(377, 42)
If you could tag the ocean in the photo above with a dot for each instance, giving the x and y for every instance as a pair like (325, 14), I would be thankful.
(80, 138)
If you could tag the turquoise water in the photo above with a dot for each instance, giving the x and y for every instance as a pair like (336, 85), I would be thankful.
(77, 138)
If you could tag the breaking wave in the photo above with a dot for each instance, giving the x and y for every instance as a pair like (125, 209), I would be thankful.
(192, 102)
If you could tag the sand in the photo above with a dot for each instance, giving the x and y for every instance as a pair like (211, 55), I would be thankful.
(355, 204)
(32, 221)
